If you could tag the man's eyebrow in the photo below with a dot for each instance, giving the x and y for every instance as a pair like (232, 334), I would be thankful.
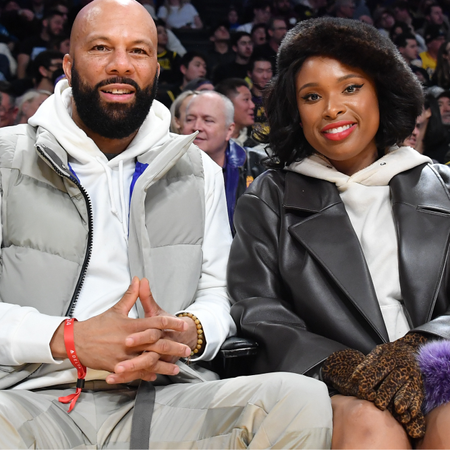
(107, 39)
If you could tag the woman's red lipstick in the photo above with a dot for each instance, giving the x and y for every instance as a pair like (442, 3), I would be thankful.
(337, 131)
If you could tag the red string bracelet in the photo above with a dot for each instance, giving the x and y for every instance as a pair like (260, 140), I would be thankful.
(72, 354)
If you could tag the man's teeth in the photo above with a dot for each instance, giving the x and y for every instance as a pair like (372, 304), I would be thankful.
(338, 129)
(118, 91)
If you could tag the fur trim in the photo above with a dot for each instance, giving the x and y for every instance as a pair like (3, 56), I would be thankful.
(434, 362)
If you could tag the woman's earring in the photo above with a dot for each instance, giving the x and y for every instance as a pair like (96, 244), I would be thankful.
(301, 124)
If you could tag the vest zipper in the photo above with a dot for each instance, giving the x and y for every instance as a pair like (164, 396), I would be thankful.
(88, 254)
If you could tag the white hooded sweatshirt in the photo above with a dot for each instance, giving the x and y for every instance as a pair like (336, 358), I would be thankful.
(366, 197)
(108, 274)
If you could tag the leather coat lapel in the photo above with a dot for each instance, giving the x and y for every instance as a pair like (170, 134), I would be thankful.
(421, 207)
(326, 232)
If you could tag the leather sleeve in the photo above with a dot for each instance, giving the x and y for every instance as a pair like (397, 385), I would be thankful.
(262, 308)
(439, 325)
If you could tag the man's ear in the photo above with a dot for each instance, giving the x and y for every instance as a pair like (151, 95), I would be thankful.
(230, 132)
(234, 48)
(67, 67)
(183, 69)
(43, 71)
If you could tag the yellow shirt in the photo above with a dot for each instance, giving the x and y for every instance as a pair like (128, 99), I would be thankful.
(428, 63)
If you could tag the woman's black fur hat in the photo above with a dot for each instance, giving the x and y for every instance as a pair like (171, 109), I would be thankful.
(355, 44)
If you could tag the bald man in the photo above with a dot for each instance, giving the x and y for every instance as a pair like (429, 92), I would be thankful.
(212, 115)
(114, 249)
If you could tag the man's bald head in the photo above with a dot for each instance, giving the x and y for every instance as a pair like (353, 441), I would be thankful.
(130, 12)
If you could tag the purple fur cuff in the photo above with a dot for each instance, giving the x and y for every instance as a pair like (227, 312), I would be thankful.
(434, 362)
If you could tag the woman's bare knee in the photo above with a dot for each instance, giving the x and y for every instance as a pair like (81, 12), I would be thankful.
(360, 424)
(438, 423)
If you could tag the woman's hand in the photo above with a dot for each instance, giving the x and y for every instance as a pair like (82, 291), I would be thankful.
(389, 376)
(339, 368)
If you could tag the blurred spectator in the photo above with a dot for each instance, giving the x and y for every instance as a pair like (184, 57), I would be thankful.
(285, 9)
(261, 14)
(277, 31)
(421, 74)
(441, 75)
(397, 29)
(37, 7)
(169, 61)
(179, 14)
(434, 38)
(407, 46)
(178, 111)
(174, 43)
(59, 5)
(221, 52)
(237, 90)
(344, 8)
(192, 65)
(444, 107)
(259, 34)
(434, 16)
(233, 19)
(43, 67)
(260, 73)
(401, 12)
(199, 84)
(383, 20)
(366, 19)
(411, 140)
(60, 43)
(28, 104)
(211, 114)
(8, 60)
(400, 27)
(433, 139)
(307, 9)
(52, 26)
(19, 22)
(242, 46)
(8, 108)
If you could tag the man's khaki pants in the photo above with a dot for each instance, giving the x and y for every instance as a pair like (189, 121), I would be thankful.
(277, 410)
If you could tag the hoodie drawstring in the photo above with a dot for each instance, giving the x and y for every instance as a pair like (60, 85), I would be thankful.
(123, 220)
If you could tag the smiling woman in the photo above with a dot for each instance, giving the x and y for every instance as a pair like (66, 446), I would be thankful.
(340, 255)
(338, 110)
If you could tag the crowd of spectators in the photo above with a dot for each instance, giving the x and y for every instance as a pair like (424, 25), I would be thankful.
(233, 53)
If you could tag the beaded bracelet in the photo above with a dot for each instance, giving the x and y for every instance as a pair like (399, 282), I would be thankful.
(200, 339)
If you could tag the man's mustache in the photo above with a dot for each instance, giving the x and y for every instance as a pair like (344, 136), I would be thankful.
(118, 80)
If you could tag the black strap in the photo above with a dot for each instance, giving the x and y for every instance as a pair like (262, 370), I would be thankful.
(142, 416)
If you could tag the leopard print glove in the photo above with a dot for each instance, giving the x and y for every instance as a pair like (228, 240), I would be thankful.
(338, 369)
(390, 377)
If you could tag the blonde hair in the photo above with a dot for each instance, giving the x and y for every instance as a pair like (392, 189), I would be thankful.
(175, 110)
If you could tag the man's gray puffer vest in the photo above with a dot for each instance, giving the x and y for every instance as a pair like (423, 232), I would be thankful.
(47, 226)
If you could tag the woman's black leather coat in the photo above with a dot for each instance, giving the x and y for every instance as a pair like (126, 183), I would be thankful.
(299, 278)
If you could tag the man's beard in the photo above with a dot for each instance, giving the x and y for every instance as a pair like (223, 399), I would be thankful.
(112, 120)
